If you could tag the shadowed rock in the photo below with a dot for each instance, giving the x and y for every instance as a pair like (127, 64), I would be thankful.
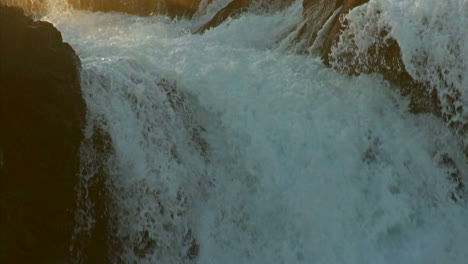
(41, 118)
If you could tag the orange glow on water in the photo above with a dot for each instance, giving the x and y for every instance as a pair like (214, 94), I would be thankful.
(139, 7)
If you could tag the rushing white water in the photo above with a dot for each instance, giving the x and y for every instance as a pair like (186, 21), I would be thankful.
(303, 165)
(433, 39)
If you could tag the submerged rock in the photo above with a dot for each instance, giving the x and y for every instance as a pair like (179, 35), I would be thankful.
(41, 117)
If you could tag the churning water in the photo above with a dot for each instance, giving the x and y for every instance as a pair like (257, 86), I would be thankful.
(227, 148)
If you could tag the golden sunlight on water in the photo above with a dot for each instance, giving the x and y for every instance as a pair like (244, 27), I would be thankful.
(30, 6)
(141, 7)
(40, 8)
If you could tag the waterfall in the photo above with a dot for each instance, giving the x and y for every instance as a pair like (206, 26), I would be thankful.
(226, 147)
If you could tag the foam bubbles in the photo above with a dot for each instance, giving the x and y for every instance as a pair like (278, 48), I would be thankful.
(304, 165)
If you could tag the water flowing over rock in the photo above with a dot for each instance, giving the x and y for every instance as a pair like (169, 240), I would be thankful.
(337, 24)
(327, 31)
(322, 28)
(433, 83)
(233, 9)
(237, 145)
(41, 117)
(327, 18)
(97, 237)
(315, 14)
(383, 57)
(236, 7)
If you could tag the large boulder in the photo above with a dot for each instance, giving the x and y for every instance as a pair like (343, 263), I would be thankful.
(41, 117)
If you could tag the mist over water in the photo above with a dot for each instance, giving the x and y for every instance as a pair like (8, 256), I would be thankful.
(302, 164)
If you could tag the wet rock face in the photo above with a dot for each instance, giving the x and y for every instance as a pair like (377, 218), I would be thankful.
(436, 95)
(236, 7)
(337, 25)
(384, 57)
(340, 50)
(233, 9)
(41, 117)
(315, 14)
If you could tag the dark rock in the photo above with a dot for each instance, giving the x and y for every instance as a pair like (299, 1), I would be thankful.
(91, 240)
(41, 115)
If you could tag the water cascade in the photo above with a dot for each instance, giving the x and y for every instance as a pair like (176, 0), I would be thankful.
(229, 146)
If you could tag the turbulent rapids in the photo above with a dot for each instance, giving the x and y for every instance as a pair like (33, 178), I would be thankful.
(237, 144)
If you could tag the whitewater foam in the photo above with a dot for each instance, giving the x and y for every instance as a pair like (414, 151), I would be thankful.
(433, 40)
(304, 165)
